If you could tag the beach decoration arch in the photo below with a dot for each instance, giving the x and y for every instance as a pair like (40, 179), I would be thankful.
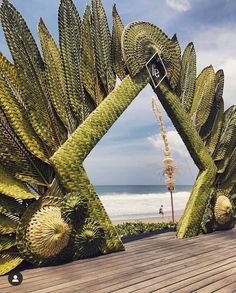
(56, 107)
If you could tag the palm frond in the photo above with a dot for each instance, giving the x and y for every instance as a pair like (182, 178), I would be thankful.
(187, 77)
(70, 37)
(208, 127)
(18, 160)
(11, 206)
(13, 187)
(102, 45)
(212, 140)
(7, 225)
(56, 80)
(12, 104)
(31, 72)
(174, 48)
(203, 97)
(117, 58)
(9, 261)
(227, 141)
(227, 179)
(88, 68)
(7, 242)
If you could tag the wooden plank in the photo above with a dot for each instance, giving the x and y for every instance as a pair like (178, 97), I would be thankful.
(146, 264)
(53, 270)
(193, 276)
(231, 288)
(220, 284)
(100, 269)
(101, 283)
(198, 284)
(77, 282)
(154, 282)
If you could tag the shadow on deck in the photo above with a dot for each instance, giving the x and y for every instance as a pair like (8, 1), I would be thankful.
(161, 263)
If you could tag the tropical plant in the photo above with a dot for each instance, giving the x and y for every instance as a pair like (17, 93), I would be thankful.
(54, 109)
(138, 228)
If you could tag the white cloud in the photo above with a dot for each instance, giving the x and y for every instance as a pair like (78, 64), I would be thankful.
(176, 144)
(186, 170)
(179, 5)
(217, 46)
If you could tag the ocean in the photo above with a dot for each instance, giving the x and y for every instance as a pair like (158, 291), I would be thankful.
(126, 202)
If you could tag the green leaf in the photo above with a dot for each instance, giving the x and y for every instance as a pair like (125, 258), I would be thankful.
(12, 105)
(207, 128)
(70, 42)
(117, 56)
(88, 68)
(175, 48)
(227, 179)
(13, 187)
(11, 206)
(18, 160)
(212, 140)
(188, 77)
(56, 80)
(203, 97)
(227, 141)
(102, 45)
(8, 262)
(7, 242)
(31, 72)
(7, 225)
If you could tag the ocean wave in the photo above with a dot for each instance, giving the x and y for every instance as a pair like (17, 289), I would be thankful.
(126, 205)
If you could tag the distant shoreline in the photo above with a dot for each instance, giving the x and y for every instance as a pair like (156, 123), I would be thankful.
(155, 220)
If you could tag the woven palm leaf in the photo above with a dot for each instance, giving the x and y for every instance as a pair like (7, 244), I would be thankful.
(208, 127)
(7, 225)
(31, 72)
(102, 45)
(227, 179)
(56, 80)
(227, 139)
(187, 77)
(117, 58)
(17, 159)
(88, 242)
(89, 73)
(63, 217)
(203, 97)
(212, 140)
(9, 261)
(69, 24)
(42, 234)
(74, 208)
(141, 40)
(13, 187)
(7, 242)
(10, 206)
(11, 102)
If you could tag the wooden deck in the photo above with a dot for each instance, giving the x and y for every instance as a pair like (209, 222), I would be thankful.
(159, 263)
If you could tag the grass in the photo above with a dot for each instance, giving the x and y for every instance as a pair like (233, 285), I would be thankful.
(131, 229)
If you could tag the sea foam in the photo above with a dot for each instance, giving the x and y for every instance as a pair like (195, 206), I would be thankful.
(121, 206)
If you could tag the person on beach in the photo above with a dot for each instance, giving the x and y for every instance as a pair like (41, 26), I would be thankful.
(161, 211)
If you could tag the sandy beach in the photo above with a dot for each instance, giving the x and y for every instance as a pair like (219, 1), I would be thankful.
(164, 219)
